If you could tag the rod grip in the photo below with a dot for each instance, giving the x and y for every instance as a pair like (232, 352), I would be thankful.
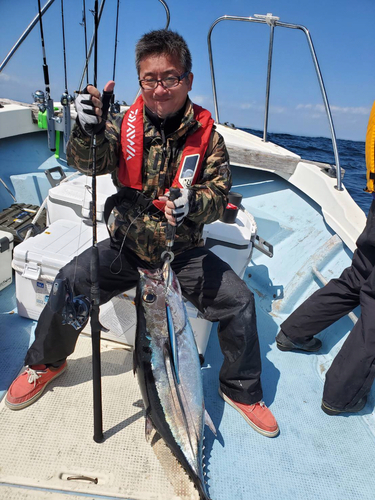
(106, 100)
(171, 230)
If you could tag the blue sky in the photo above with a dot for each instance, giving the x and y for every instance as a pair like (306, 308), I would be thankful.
(342, 31)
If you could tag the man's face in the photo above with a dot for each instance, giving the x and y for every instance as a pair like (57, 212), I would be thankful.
(162, 101)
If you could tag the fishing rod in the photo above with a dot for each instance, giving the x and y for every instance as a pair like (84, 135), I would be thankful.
(94, 270)
(115, 106)
(83, 23)
(85, 69)
(44, 100)
(94, 264)
(66, 98)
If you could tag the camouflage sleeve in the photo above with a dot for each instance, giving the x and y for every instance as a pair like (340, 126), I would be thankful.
(214, 183)
(79, 148)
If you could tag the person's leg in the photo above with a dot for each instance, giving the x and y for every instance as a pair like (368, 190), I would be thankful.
(220, 295)
(340, 296)
(54, 342)
(350, 377)
(352, 372)
(323, 308)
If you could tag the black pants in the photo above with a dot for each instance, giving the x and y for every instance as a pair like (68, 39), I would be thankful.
(206, 281)
(352, 372)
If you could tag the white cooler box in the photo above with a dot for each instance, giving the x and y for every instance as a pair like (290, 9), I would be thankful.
(37, 260)
(6, 248)
(71, 200)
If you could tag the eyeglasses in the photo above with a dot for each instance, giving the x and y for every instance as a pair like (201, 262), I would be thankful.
(167, 83)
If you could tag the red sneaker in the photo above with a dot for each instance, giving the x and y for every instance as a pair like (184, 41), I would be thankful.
(257, 415)
(29, 386)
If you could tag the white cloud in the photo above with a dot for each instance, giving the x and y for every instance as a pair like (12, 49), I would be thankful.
(4, 77)
(260, 107)
(201, 99)
(347, 110)
(352, 111)
(277, 109)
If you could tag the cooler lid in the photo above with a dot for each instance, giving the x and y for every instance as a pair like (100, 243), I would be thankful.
(56, 246)
(240, 233)
(77, 191)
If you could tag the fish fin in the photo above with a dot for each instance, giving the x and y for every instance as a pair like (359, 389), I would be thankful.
(148, 428)
(173, 343)
(209, 423)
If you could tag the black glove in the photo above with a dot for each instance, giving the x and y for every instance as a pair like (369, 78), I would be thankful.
(86, 116)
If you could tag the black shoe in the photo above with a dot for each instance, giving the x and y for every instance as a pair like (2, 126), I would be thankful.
(354, 409)
(285, 344)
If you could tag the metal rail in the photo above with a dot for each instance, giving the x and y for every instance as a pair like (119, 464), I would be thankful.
(273, 21)
(24, 35)
(167, 13)
(92, 39)
(166, 27)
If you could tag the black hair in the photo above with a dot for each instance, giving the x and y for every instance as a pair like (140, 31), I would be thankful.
(163, 42)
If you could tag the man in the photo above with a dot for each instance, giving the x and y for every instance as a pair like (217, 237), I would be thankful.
(146, 152)
(350, 377)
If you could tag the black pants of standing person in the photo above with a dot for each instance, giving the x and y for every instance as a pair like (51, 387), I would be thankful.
(206, 281)
(352, 372)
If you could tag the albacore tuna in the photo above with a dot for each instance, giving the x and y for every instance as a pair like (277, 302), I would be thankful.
(169, 375)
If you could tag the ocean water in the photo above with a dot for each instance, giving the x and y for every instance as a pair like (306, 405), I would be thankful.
(351, 154)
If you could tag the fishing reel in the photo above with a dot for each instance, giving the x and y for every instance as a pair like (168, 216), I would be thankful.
(74, 310)
(66, 99)
(40, 99)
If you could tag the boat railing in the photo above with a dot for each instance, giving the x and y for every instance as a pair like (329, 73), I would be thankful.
(273, 21)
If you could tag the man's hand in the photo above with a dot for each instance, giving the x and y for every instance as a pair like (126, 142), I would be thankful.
(89, 107)
(177, 210)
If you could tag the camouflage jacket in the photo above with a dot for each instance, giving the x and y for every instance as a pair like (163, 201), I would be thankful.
(143, 234)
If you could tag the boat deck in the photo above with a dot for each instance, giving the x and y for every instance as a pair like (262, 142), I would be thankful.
(314, 457)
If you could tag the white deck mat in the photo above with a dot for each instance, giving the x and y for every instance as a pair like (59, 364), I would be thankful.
(44, 444)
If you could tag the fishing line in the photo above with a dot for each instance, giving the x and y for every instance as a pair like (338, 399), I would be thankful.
(85, 69)
(80, 227)
(123, 241)
(115, 106)
(66, 98)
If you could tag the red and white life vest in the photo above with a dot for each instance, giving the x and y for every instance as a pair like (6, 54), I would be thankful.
(131, 159)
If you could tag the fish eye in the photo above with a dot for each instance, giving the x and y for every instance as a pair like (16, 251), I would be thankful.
(149, 297)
